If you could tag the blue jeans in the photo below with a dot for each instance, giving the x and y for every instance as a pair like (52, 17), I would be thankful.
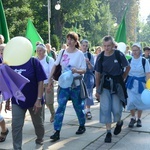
(78, 104)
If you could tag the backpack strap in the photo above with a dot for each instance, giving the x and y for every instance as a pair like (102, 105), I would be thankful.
(100, 61)
(53, 55)
(117, 55)
(143, 63)
(47, 59)
(89, 55)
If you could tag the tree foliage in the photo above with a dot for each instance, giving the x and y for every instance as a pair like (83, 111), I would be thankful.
(17, 13)
(118, 10)
(92, 19)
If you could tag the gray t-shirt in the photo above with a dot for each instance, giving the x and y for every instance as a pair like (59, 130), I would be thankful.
(110, 64)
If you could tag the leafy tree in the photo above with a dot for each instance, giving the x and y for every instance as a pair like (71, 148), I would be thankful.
(17, 13)
(55, 42)
(40, 17)
(118, 10)
(72, 12)
(90, 18)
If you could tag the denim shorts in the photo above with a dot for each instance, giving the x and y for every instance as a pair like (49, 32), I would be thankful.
(110, 105)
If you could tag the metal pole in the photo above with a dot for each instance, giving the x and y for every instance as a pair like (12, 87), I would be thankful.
(109, 25)
(49, 21)
(109, 20)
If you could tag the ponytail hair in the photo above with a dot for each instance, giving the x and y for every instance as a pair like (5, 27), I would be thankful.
(77, 45)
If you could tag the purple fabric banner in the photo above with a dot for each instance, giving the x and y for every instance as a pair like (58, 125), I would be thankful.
(11, 83)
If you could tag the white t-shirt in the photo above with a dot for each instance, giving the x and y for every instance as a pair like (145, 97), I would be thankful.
(137, 67)
(74, 60)
(47, 66)
(137, 70)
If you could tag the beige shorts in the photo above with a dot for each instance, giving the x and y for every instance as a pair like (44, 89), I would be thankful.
(49, 97)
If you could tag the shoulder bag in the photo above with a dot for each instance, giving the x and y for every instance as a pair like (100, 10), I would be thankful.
(58, 69)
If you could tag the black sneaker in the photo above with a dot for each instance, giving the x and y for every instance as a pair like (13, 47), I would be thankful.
(108, 138)
(39, 141)
(55, 136)
(117, 130)
(132, 122)
(81, 130)
(139, 123)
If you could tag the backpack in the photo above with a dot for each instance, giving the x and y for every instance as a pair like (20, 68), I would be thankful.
(117, 55)
(143, 62)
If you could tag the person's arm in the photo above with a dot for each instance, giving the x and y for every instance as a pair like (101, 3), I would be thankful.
(97, 77)
(147, 69)
(79, 71)
(37, 104)
(147, 76)
(90, 63)
(7, 105)
(51, 80)
(125, 74)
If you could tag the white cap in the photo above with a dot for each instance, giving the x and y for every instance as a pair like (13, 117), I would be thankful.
(137, 45)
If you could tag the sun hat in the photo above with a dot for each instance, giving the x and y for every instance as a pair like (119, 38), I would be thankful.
(137, 45)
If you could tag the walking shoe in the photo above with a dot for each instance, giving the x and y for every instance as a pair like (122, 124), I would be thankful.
(117, 129)
(3, 135)
(55, 136)
(89, 115)
(139, 123)
(81, 130)
(108, 138)
(132, 122)
(39, 141)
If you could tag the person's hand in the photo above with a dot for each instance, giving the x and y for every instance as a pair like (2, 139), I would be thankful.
(50, 86)
(74, 70)
(37, 106)
(97, 97)
(7, 106)
(87, 60)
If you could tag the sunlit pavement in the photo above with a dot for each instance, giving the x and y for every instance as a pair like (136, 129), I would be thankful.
(92, 139)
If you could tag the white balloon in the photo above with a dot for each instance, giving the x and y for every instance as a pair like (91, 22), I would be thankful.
(17, 51)
(65, 80)
(121, 46)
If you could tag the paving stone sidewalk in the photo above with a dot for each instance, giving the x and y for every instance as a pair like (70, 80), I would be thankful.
(92, 139)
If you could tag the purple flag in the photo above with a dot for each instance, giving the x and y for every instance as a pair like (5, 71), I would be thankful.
(11, 83)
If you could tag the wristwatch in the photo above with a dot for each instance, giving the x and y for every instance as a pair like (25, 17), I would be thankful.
(39, 98)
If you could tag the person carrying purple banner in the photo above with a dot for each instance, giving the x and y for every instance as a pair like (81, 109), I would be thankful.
(32, 91)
